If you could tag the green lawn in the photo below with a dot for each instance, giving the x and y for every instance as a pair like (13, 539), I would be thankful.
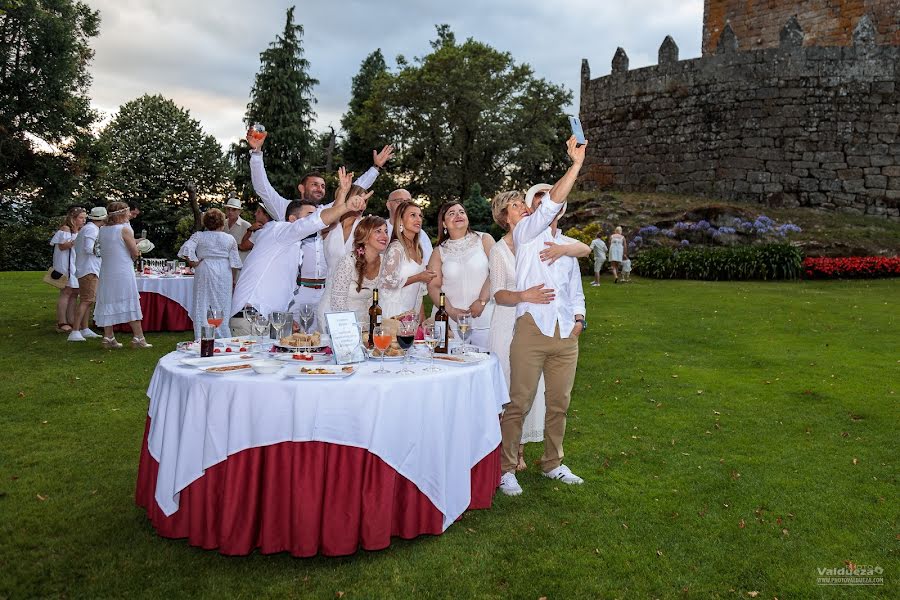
(734, 438)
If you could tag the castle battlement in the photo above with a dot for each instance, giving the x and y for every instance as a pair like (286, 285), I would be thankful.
(788, 125)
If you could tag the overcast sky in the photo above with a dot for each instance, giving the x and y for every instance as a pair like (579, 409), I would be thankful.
(204, 54)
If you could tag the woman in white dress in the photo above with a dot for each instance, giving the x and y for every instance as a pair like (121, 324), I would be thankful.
(358, 273)
(460, 263)
(118, 300)
(214, 256)
(508, 208)
(617, 251)
(63, 242)
(339, 237)
(404, 278)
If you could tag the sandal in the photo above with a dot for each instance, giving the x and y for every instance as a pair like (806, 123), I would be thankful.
(140, 343)
(63, 328)
(110, 343)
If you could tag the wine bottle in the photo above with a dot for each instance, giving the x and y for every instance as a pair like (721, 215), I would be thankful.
(374, 315)
(442, 328)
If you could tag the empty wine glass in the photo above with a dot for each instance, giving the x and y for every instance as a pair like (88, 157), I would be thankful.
(307, 314)
(431, 341)
(260, 324)
(278, 319)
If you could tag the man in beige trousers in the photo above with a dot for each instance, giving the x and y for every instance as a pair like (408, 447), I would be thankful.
(545, 340)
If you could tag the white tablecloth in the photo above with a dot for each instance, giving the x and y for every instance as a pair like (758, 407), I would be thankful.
(431, 428)
(177, 289)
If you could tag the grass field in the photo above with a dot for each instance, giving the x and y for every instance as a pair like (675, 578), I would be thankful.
(734, 437)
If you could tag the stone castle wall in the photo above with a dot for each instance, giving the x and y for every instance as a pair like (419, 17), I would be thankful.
(794, 125)
(826, 22)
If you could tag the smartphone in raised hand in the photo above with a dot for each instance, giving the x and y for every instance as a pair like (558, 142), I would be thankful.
(577, 131)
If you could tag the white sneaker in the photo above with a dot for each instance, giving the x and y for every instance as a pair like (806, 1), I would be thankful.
(88, 334)
(76, 336)
(594, 284)
(562, 473)
(509, 485)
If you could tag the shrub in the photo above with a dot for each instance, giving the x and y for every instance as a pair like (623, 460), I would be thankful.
(853, 267)
(26, 247)
(769, 261)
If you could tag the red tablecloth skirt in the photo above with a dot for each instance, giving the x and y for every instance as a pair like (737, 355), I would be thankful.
(160, 314)
(306, 498)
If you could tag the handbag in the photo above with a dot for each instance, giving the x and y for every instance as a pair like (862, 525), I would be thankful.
(55, 278)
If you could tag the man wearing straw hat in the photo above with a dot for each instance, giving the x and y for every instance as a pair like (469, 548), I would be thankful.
(87, 269)
(235, 226)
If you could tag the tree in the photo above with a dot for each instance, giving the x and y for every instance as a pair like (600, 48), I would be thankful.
(467, 113)
(478, 209)
(155, 153)
(362, 118)
(45, 112)
(282, 101)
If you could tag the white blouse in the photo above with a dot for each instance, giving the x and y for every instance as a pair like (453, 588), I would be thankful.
(341, 293)
(395, 297)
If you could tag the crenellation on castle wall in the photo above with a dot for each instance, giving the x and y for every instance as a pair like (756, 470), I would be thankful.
(790, 125)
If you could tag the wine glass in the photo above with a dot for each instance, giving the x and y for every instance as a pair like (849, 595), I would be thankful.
(215, 317)
(406, 336)
(464, 327)
(431, 341)
(381, 339)
(260, 324)
(278, 319)
(307, 314)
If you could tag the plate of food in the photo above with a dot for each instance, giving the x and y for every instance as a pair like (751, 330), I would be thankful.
(303, 357)
(321, 372)
(469, 358)
(229, 369)
(303, 341)
(217, 359)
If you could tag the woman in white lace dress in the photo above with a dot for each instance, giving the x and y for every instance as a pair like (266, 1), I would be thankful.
(508, 208)
(404, 277)
(118, 300)
(460, 262)
(63, 242)
(213, 254)
(350, 286)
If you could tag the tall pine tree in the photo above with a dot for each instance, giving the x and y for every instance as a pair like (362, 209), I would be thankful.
(282, 100)
(360, 137)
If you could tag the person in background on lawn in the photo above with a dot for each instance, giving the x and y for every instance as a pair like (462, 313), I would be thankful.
(617, 251)
(87, 267)
(626, 270)
(63, 242)
(118, 300)
(545, 339)
(599, 248)
(235, 226)
(213, 254)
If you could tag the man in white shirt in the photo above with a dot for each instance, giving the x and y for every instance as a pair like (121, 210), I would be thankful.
(599, 248)
(546, 335)
(87, 269)
(312, 270)
(395, 199)
(268, 277)
(235, 226)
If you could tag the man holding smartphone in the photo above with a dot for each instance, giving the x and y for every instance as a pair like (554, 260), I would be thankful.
(545, 341)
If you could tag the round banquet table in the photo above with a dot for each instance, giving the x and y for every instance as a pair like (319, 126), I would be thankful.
(165, 303)
(238, 462)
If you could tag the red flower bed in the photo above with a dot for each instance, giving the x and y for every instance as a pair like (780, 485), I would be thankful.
(855, 267)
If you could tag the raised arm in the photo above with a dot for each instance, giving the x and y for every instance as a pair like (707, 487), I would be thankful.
(274, 202)
(379, 159)
(560, 190)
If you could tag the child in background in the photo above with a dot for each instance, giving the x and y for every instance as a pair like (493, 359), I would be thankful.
(626, 270)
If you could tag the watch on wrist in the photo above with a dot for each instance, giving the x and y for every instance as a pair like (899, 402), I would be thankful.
(583, 323)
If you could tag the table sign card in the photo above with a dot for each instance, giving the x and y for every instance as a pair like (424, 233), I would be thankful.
(346, 342)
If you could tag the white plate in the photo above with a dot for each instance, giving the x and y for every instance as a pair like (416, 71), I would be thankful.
(232, 357)
(247, 369)
(459, 360)
(335, 373)
(316, 358)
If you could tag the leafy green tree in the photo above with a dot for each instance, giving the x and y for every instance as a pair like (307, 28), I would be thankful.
(478, 209)
(467, 113)
(154, 152)
(281, 100)
(362, 119)
(45, 112)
